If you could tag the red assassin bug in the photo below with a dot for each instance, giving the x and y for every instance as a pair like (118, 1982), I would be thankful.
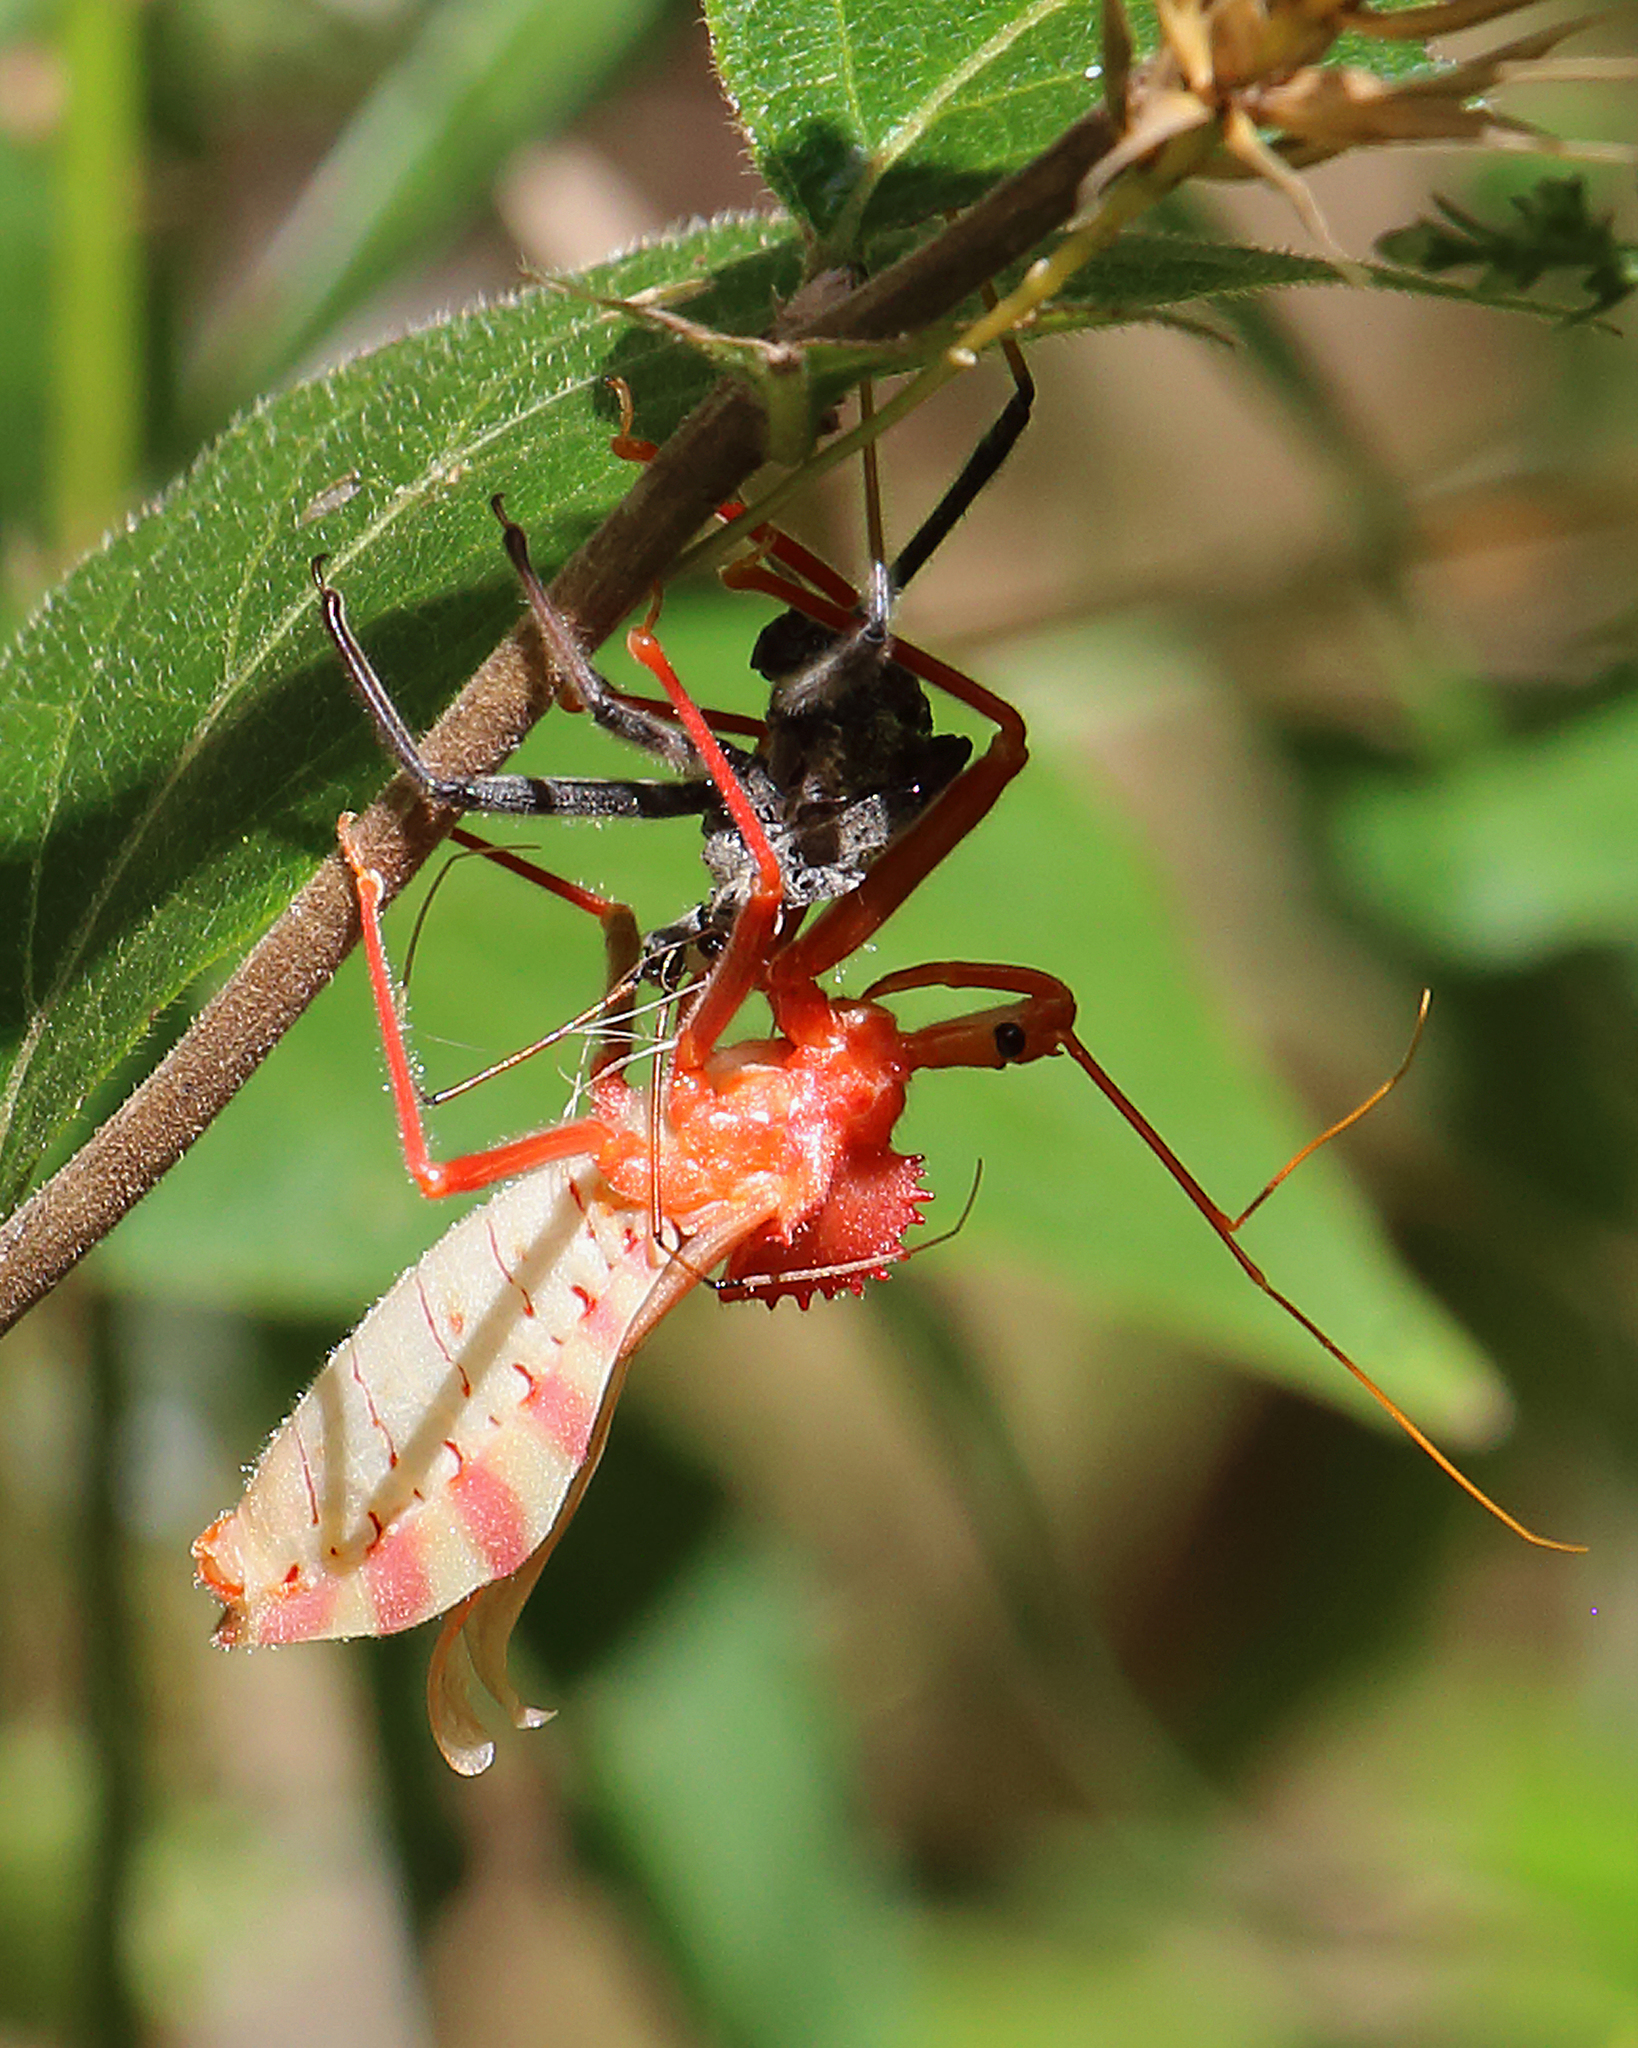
(443, 1448)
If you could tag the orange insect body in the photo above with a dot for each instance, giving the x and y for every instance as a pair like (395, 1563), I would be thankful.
(799, 1127)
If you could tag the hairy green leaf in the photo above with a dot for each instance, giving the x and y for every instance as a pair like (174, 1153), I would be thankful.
(175, 738)
(865, 115)
(872, 115)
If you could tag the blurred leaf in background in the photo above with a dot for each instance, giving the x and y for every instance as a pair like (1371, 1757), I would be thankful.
(416, 161)
(1551, 228)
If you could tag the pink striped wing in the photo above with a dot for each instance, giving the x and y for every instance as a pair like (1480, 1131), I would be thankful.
(439, 1445)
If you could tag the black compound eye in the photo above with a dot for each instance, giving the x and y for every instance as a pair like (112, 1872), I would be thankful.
(1011, 1040)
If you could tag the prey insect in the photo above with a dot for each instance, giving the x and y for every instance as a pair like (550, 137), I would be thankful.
(444, 1447)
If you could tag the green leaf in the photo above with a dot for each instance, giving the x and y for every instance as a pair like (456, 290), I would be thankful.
(1552, 229)
(1511, 854)
(1145, 275)
(715, 1758)
(419, 155)
(175, 738)
(1141, 277)
(865, 115)
(874, 114)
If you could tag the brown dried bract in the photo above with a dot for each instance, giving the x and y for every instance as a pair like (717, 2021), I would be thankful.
(1240, 88)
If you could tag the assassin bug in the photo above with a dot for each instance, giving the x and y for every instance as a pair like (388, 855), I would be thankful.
(440, 1454)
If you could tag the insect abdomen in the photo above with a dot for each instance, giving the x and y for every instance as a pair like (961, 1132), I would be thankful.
(434, 1451)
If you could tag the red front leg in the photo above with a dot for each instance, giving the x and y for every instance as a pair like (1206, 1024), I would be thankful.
(740, 968)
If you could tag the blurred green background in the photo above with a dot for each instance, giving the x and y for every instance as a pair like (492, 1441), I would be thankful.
(1023, 1654)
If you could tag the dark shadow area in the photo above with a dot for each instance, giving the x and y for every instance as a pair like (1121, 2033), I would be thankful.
(648, 1513)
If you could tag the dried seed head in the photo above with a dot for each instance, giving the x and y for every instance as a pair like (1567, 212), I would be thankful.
(1241, 88)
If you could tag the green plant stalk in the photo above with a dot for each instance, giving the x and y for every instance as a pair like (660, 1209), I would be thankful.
(97, 295)
(106, 2015)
